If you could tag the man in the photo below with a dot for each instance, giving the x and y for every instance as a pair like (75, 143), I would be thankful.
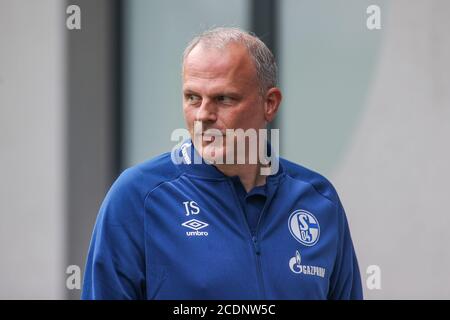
(176, 228)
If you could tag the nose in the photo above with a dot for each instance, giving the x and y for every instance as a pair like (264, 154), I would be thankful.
(206, 112)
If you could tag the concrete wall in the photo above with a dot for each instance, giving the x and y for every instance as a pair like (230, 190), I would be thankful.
(58, 107)
(92, 140)
(395, 172)
(371, 111)
(32, 136)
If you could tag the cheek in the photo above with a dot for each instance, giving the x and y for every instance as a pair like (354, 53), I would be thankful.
(189, 116)
(250, 116)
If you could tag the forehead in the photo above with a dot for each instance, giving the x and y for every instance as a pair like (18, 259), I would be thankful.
(206, 66)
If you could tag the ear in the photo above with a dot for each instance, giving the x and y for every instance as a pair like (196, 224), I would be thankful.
(272, 102)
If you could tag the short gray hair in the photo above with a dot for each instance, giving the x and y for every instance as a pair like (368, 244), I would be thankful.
(265, 65)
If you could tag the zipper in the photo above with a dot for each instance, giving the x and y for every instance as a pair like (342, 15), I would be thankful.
(256, 243)
(254, 239)
(258, 264)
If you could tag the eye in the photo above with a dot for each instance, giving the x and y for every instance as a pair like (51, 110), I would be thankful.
(192, 98)
(225, 99)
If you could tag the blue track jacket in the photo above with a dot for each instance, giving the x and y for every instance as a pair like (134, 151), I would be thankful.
(177, 231)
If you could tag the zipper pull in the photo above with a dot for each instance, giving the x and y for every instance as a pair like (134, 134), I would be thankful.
(257, 247)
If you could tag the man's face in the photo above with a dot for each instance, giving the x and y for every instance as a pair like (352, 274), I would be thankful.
(220, 89)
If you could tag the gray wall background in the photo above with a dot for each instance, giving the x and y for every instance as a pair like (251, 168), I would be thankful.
(32, 142)
(92, 141)
(368, 109)
(394, 174)
(156, 33)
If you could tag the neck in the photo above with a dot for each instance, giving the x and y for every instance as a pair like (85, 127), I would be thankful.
(249, 174)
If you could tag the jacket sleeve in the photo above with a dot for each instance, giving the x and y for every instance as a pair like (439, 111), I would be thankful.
(345, 282)
(115, 266)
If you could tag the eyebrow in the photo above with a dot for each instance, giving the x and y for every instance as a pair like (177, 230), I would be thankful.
(217, 94)
(189, 91)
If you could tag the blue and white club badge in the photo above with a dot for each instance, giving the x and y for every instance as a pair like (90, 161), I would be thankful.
(304, 227)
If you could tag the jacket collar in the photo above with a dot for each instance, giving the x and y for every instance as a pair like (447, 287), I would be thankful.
(190, 161)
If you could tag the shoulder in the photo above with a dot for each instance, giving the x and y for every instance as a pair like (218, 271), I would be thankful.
(147, 175)
(128, 192)
(321, 184)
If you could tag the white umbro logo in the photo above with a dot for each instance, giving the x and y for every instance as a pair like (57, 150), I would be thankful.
(196, 225)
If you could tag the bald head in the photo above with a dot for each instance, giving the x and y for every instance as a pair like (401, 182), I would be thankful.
(232, 63)
(260, 57)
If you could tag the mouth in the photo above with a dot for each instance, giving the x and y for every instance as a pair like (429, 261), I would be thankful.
(207, 139)
(208, 136)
